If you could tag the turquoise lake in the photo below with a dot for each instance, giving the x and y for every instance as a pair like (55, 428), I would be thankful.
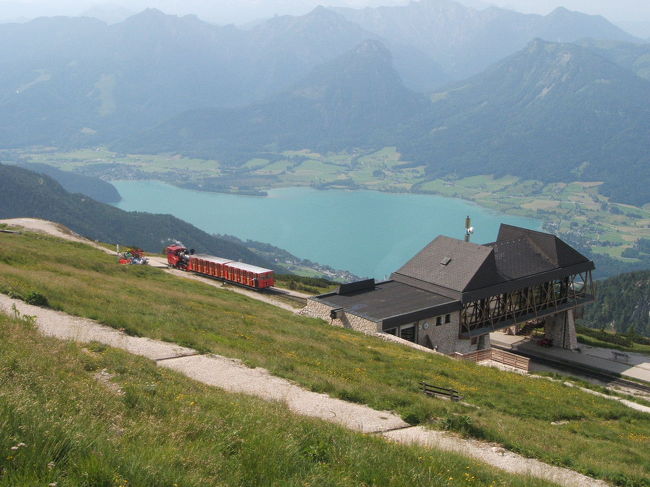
(368, 233)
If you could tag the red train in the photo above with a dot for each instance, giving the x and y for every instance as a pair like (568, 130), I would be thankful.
(238, 272)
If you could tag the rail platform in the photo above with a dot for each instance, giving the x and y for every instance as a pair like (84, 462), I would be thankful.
(624, 364)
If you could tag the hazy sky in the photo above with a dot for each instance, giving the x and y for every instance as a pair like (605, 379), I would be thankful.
(246, 10)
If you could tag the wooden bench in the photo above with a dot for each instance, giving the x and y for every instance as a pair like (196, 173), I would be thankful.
(431, 390)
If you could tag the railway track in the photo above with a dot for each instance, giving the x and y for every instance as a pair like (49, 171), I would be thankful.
(287, 293)
(600, 375)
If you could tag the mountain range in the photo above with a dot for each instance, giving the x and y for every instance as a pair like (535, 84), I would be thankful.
(80, 81)
(552, 112)
(341, 79)
(355, 100)
(465, 41)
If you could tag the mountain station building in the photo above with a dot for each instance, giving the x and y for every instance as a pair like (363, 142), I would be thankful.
(452, 294)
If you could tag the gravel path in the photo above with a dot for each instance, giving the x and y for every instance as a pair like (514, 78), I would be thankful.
(53, 229)
(493, 455)
(231, 375)
(66, 327)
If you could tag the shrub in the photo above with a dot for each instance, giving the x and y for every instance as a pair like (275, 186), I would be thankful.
(36, 299)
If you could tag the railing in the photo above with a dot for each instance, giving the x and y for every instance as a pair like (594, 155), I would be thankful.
(431, 390)
(500, 356)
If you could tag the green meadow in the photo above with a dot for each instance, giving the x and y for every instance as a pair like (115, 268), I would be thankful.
(92, 416)
(535, 417)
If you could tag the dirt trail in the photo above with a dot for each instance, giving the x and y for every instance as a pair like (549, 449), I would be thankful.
(54, 230)
(231, 375)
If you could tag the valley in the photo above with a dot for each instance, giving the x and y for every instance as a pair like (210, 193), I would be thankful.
(577, 211)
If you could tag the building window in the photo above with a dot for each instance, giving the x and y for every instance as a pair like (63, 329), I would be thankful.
(408, 333)
(392, 331)
(474, 340)
(438, 320)
(447, 318)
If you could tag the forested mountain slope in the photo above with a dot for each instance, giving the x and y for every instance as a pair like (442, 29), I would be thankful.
(355, 100)
(27, 194)
(622, 304)
(553, 112)
(72, 182)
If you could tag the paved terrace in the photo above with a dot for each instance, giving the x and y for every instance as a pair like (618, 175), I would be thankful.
(628, 364)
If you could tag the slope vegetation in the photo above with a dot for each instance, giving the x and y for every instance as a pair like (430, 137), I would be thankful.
(356, 100)
(622, 304)
(552, 112)
(136, 424)
(594, 436)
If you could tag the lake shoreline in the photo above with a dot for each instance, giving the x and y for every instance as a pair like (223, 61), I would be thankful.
(367, 232)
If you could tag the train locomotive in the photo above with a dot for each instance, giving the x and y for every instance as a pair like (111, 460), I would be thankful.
(227, 270)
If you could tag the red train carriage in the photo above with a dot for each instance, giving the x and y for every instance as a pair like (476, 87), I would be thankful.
(209, 265)
(238, 272)
(249, 275)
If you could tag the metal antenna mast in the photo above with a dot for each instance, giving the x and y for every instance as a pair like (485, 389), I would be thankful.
(469, 229)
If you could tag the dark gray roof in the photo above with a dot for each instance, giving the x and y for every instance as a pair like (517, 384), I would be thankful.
(391, 303)
(448, 272)
(520, 257)
(463, 259)
(556, 252)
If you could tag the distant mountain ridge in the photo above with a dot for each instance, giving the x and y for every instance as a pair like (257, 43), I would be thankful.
(78, 81)
(464, 41)
(355, 100)
(553, 112)
(550, 112)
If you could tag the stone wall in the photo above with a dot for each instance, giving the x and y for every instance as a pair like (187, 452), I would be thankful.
(314, 309)
(561, 328)
(347, 320)
(444, 337)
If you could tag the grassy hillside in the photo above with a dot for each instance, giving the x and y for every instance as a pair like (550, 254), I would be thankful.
(94, 416)
(599, 437)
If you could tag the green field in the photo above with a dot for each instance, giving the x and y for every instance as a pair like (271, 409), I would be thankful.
(595, 436)
(92, 416)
